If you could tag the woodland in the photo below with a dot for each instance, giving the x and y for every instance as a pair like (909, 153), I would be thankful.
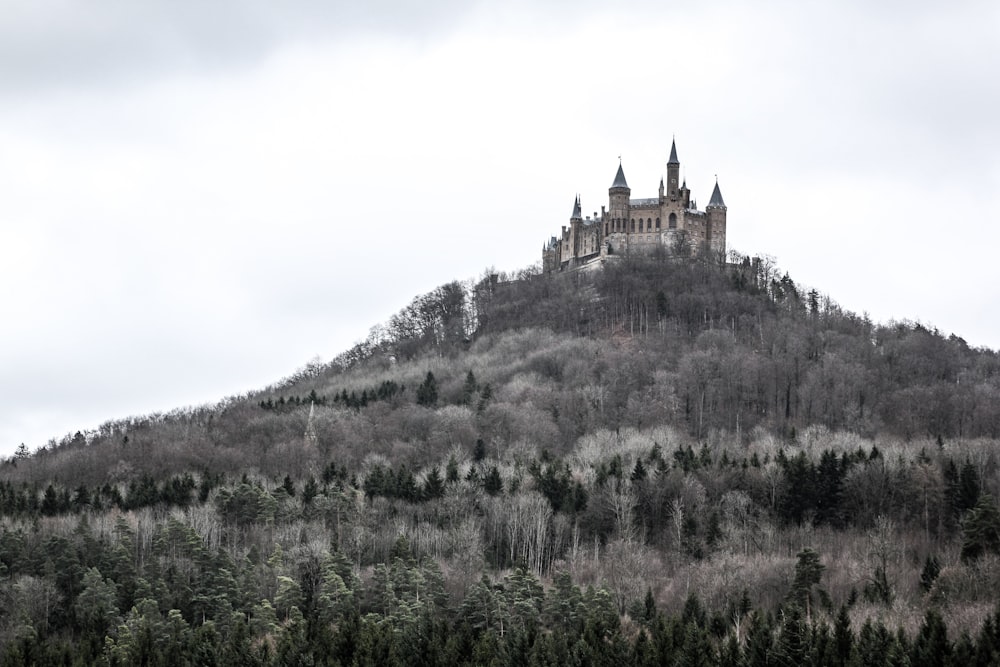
(679, 459)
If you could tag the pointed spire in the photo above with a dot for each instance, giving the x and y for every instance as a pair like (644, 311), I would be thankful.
(620, 178)
(716, 199)
(673, 153)
(577, 213)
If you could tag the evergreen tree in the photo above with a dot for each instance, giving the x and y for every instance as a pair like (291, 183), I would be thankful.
(808, 572)
(930, 572)
(469, 388)
(451, 471)
(981, 530)
(427, 392)
(759, 645)
(493, 483)
(433, 485)
(931, 646)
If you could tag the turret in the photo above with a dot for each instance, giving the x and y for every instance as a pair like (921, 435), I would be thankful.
(618, 195)
(673, 172)
(715, 225)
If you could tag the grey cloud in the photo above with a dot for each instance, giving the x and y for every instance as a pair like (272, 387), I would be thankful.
(51, 43)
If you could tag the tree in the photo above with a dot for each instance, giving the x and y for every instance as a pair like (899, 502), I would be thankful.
(981, 530)
(433, 485)
(427, 392)
(451, 471)
(931, 646)
(493, 483)
(469, 388)
(95, 606)
(808, 572)
(930, 572)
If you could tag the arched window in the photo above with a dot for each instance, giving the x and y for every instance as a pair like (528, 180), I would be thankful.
(605, 229)
(657, 224)
(672, 221)
(632, 226)
(708, 230)
(649, 224)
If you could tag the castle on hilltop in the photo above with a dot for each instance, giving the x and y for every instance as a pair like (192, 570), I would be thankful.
(639, 225)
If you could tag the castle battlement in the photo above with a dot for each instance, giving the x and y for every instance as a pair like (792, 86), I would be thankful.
(639, 225)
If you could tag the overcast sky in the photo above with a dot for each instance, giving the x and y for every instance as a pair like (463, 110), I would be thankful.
(198, 198)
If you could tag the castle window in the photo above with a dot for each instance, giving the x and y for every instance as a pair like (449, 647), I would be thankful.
(633, 225)
(708, 230)
(649, 224)
(672, 221)
(605, 229)
(657, 224)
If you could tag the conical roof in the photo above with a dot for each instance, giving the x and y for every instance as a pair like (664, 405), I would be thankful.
(577, 214)
(620, 178)
(716, 199)
(673, 153)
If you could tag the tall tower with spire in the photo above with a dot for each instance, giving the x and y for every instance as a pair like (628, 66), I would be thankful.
(673, 172)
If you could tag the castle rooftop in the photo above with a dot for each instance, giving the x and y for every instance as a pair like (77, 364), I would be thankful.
(620, 179)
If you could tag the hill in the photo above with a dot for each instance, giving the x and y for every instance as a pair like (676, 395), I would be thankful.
(667, 425)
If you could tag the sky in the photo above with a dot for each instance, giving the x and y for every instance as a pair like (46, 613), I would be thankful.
(196, 199)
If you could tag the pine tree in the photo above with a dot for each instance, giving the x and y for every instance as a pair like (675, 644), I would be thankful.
(433, 485)
(981, 530)
(427, 393)
(808, 572)
(930, 572)
(931, 646)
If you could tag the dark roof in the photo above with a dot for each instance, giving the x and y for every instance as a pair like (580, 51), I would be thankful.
(716, 199)
(673, 153)
(619, 179)
(577, 214)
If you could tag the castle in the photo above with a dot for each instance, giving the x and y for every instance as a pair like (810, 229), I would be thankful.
(639, 225)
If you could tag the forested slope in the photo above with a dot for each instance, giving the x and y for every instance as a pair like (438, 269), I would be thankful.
(670, 457)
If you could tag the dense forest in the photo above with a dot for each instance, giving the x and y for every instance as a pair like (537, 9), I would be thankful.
(676, 459)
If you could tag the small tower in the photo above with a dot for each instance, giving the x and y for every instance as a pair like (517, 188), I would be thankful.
(673, 172)
(715, 226)
(618, 195)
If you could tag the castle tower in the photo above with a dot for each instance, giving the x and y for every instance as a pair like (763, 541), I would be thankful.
(715, 226)
(618, 195)
(673, 172)
(575, 223)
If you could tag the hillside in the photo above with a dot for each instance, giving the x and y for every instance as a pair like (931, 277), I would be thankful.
(733, 464)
